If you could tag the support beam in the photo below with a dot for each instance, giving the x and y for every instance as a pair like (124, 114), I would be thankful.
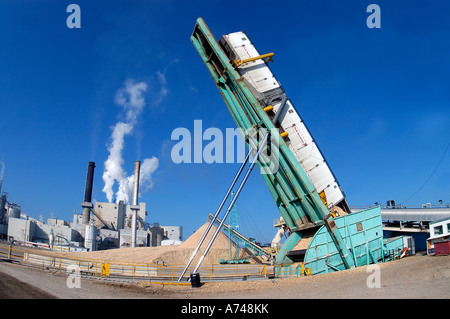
(341, 246)
(255, 159)
(215, 215)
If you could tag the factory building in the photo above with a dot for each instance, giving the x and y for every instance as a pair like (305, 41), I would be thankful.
(20, 228)
(414, 223)
(100, 226)
(114, 224)
(24, 229)
(173, 235)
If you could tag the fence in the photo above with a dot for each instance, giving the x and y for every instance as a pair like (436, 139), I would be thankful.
(32, 258)
(154, 273)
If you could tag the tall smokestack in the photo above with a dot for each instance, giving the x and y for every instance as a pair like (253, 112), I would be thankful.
(87, 204)
(134, 206)
(137, 171)
(89, 182)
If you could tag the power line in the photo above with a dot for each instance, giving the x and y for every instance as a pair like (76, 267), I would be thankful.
(434, 171)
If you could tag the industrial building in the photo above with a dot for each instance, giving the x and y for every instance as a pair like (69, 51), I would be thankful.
(414, 222)
(100, 226)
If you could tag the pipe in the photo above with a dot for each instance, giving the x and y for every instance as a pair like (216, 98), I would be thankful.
(215, 215)
(277, 238)
(267, 56)
(232, 202)
(134, 206)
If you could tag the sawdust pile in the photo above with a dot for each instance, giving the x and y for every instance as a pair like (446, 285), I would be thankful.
(306, 239)
(170, 255)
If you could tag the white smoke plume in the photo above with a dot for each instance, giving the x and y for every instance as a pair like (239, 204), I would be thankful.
(130, 98)
(148, 167)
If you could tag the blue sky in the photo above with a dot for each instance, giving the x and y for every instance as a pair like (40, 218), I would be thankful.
(375, 100)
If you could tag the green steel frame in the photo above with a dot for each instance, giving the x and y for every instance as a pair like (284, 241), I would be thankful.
(293, 192)
(296, 198)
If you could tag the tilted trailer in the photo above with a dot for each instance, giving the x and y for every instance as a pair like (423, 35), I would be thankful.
(324, 235)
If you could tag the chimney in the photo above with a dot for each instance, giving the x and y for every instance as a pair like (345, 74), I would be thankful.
(134, 206)
(87, 205)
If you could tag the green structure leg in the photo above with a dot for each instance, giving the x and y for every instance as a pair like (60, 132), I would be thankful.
(288, 245)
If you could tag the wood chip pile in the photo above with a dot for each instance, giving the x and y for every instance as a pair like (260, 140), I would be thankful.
(170, 255)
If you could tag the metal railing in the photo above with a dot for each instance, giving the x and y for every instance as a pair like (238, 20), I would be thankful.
(293, 270)
(134, 272)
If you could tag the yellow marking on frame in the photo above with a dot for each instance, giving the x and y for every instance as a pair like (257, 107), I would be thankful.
(267, 56)
(323, 197)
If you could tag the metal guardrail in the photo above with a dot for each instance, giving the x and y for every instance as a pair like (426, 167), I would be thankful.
(154, 273)
(294, 270)
(133, 272)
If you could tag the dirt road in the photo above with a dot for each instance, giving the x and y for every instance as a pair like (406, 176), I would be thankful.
(418, 276)
(11, 287)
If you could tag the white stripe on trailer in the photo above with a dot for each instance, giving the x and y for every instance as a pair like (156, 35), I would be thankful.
(255, 72)
(300, 142)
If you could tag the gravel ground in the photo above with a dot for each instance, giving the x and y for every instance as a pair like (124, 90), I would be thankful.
(413, 277)
(418, 276)
(10, 288)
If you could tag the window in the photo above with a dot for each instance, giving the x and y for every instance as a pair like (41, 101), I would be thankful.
(448, 228)
(437, 230)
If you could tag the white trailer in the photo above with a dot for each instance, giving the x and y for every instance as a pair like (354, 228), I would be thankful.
(257, 75)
